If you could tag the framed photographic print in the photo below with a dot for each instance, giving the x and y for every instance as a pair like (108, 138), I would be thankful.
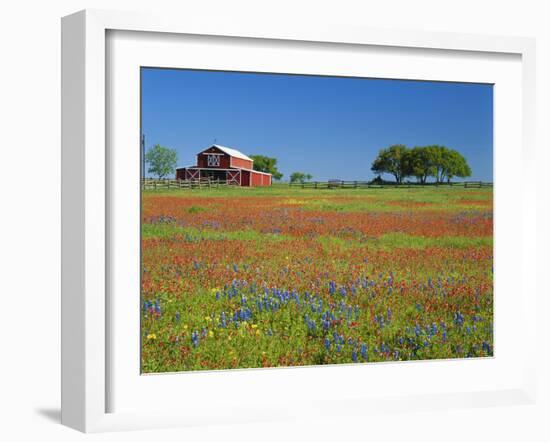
(252, 213)
(337, 263)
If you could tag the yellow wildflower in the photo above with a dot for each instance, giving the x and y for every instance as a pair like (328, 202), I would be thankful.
(151, 336)
(211, 333)
(254, 326)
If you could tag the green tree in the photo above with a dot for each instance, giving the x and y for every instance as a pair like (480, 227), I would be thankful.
(300, 177)
(162, 160)
(421, 163)
(394, 160)
(267, 165)
(447, 163)
(454, 164)
(438, 155)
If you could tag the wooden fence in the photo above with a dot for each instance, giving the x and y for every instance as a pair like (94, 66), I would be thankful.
(207, 183)
(339, 184)
(203, 183)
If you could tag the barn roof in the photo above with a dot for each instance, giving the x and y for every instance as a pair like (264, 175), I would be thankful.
(232, 152)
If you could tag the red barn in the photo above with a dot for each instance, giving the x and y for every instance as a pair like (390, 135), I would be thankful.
(226, 164)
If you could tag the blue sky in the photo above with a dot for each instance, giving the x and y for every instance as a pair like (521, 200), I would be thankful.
(330, 127)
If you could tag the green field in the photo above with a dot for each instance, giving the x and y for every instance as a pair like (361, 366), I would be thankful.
(283, 276)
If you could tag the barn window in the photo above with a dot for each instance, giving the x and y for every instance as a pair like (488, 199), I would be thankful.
(213, 160)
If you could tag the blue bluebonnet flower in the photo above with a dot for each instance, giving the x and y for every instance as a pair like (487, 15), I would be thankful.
(486, 347)
(195, 339)
(157, 306)
(458, 319)
(364, 354)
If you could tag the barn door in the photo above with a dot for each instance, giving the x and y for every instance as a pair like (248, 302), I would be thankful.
(193, 174)
(234, 177)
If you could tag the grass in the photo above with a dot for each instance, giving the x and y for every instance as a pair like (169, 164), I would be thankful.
(193, 234)
(391, 241)
(387, 241)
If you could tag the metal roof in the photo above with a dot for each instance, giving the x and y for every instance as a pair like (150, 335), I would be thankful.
(231, 152)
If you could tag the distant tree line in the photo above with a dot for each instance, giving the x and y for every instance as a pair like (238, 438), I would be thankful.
(422, 162)
(266, 164)
(300, 177)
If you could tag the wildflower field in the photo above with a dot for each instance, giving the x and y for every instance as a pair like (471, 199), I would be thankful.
(280, 276)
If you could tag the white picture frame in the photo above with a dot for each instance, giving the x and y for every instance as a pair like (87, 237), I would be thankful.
(86, 207)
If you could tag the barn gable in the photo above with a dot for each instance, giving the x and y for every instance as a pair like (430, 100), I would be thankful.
(223, 157)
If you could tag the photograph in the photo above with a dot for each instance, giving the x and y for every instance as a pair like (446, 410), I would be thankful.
(303, 220)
